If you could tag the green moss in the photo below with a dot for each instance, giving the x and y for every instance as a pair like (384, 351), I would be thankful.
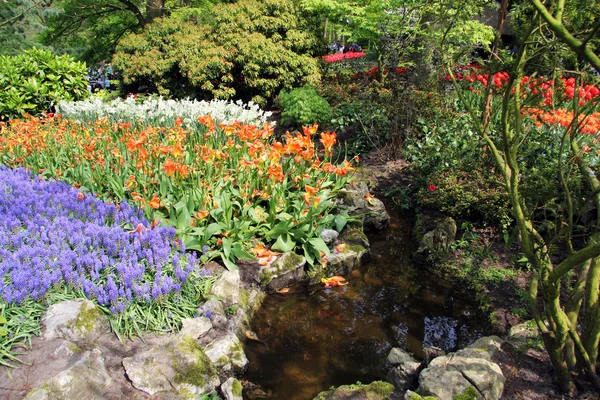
(244, 297)
(236, 388)
(357, 248)
(289, 262)
(470, 393)
(87, 318)
(194, 374)
(375, 390)
(355, 236)
(74, 348)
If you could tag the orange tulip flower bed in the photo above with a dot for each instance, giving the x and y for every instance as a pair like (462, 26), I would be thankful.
(224, 188)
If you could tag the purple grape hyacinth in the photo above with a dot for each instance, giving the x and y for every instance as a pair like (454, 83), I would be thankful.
(51, 235)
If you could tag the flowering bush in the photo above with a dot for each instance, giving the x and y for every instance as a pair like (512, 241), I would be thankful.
(161, 112)
(343, 56)
(224, 188)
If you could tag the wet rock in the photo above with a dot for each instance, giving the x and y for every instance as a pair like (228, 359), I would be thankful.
(343, 262)
(180, 366)
(213, 310)
(253, 391)
(437, 242)
(227, 354)
(406, 369)
(232, 389)
(375, 391)
(354, 236)
(86, 379)
(74, 320)
(466, 371)
(431, 352)
(329, 235)
(195, 327)
(227, 288)
(286, 270)
(372, 212)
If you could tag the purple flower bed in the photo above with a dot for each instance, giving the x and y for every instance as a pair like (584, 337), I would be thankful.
(51, 235)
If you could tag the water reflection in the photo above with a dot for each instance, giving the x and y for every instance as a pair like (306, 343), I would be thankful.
(332, 336)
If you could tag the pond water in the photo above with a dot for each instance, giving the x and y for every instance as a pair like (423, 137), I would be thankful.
(323, 337)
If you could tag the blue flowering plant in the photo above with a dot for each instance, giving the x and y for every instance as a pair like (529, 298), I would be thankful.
(58, 243)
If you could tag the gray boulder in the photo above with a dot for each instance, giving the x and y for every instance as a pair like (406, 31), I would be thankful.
(371, 210)
(467, 371)
(74, 320)
(180, 366)
(195, 327)
(227, 354)
(250, 301)
(439, 240)
(329, 235)
(405, 369)
(232, 389)
(86, 379)
(286, 270)
(227, 288)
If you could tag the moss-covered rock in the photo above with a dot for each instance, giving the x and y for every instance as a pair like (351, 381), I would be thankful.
(360, 203)
(77, 320)
(180, 366)
(286, 270)
(377, 390)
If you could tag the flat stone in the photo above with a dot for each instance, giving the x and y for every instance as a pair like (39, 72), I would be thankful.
(227, 354)
(86, 379)
(232, 389)
(227, 288)
(195, 327)
(484, 348)
(74, 320)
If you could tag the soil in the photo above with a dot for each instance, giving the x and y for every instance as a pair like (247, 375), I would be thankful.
(528, 371)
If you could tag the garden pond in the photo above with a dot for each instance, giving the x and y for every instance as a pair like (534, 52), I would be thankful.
(315, 338)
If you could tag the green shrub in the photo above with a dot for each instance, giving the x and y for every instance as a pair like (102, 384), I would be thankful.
(303, 106)
(248, 50)
(31, 82)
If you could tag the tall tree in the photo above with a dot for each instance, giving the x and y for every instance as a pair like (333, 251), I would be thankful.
(20, 21)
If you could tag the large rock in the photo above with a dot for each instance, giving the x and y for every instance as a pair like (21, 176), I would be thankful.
(86, 379)
(227, 354)
(341, 263)
(468, 371)
(286, 270)
(195, 327)
(227, 288)
(180, 366)
(375, 391)
(405, 369)
(74, 320)
(232, 389)
(438, 241)
(357, 200)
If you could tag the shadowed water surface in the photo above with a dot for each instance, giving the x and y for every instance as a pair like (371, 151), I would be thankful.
(327, 337)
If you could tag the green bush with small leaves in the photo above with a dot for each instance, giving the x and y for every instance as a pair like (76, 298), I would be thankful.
(34, 80)
(303, 106)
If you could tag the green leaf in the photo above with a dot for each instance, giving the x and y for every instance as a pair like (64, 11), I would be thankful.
(320, 245)
(283, 244)
(340, 222)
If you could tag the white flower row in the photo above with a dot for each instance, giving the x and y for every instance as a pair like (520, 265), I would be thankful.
(162, 112)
